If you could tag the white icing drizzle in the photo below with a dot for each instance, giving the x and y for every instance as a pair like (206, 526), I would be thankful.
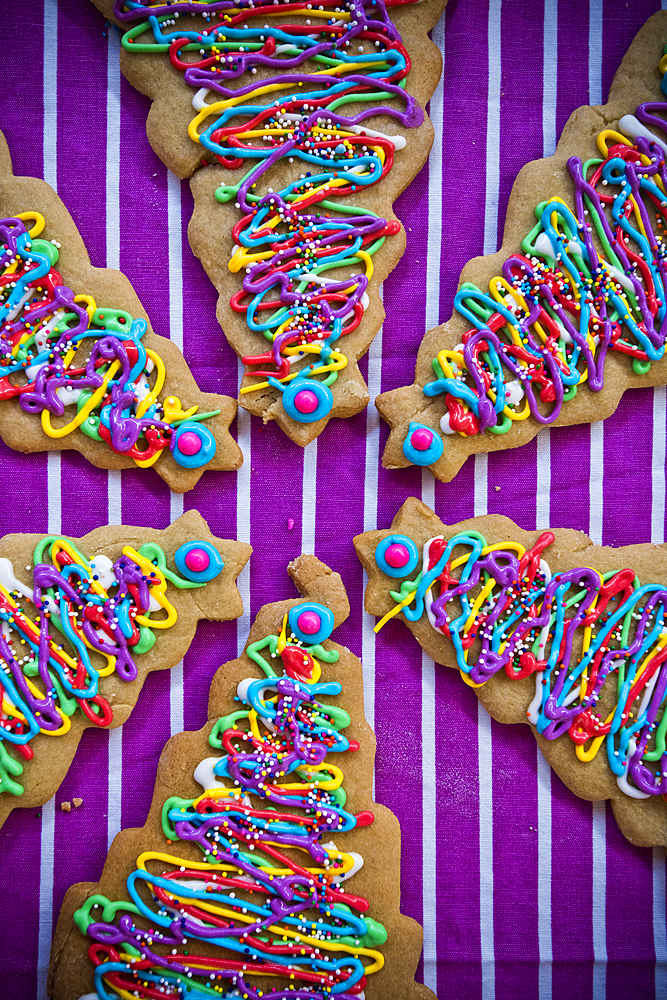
(10, 582)
(633, 128)
(204, 775)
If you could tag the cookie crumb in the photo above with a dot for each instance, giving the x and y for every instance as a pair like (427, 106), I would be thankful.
(496, 488)
(65, 807)
(77, 802)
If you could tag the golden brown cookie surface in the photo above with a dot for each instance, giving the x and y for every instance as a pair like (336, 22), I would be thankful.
(583, 664)
(369, 903)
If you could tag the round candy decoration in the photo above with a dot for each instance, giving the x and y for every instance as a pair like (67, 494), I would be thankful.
(307, 400)
(397, 555)
(422, 445)
(198, 561)
(193, 445)
(311, 623)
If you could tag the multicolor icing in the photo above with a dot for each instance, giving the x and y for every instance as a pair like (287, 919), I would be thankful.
(88, 612)
(591, 279)
(269, 894)
(332, 54)
(42, 325)
(597, 643)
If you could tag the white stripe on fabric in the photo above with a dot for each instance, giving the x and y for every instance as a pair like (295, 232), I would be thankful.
(481, 502)
(176, 699)
(114, 487)
(429, 825)
(115, 783)
(493, 132)
(542, 520)
(50, 93)
(543, 484)
(595, 530)
(175, 506)
(659, 922)
(484, 739)
(175, 248)
(599, 901)
(372, 462)
(549, 77)
(658, 465)
(434, 245)
(46, 861)
(432, 318)
(47, 849)
(595, 482)
(484, 758)
(175, 240)
(309, 502)
(544, 847)
(113, 149)
(428, 489)
(595, 52)
(486, 934)
(243, 521)
(114, 494)
(54, 492)
(658, 538)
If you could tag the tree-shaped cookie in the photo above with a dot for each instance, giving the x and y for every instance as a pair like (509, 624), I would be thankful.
(264, 868)
(550, 630)
(572, 310)
(310, 121)
(83, 621)
(80, 367)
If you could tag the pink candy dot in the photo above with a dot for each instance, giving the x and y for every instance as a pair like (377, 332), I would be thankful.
(421, 439)
(189, 443)
(197, 560)
(309, 623)
(397, 555)
(306, 401)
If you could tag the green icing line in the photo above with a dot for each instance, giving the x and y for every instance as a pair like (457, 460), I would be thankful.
(9, 768)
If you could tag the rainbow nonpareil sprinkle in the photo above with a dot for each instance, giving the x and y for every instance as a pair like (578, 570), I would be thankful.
(306, 254)
(115, 390)
(595, 643)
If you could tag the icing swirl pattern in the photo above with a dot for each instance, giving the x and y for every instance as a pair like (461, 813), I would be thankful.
(269, 897)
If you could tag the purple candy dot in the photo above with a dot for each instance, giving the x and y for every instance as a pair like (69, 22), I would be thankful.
(397, 555)
(197, 560)
(306, 401)
(421, 439)
(189, 443)
(309, 623)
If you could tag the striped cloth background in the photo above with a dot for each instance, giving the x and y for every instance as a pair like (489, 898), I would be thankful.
(524, 891)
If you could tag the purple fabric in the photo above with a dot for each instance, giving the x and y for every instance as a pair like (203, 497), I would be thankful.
(481, 845)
